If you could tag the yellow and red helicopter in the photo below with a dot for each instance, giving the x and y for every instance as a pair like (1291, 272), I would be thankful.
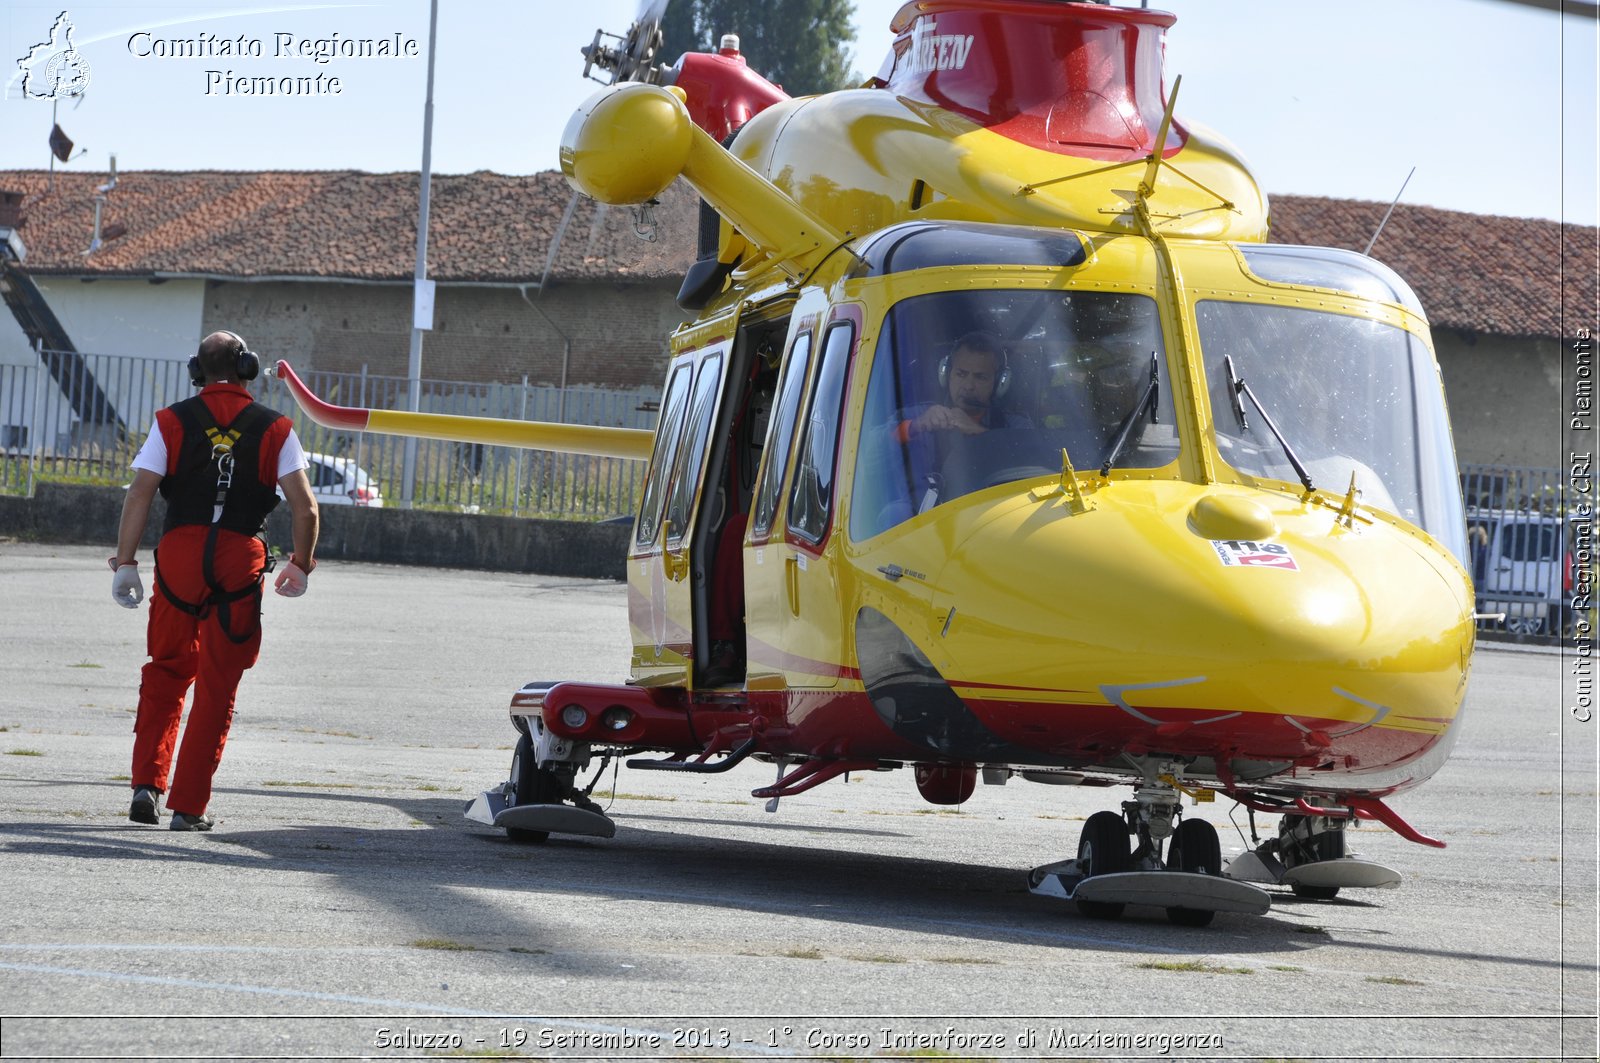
(1200, 531)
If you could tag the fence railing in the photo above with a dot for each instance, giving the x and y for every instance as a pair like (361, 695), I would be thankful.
(43, 437)
(1519, 548)
(1517, 529)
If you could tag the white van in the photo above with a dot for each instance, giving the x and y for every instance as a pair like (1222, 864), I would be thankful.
(1520, 567)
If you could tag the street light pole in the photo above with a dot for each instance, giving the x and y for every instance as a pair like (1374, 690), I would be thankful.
(422, 289)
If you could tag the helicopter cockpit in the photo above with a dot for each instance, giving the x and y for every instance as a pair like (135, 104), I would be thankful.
(1350, 396)
(1067, 371)
(1299, 390)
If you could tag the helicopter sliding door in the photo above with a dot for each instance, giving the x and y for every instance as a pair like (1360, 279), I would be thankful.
(660, 592)
(796, 636)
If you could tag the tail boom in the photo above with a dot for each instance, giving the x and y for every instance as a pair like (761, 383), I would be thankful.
(631, 443)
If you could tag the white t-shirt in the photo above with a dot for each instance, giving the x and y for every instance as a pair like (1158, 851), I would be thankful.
(153, 455)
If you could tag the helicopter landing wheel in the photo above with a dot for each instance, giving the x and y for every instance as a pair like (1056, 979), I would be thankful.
(1194, 848)
(531, 785)
(1103, 850)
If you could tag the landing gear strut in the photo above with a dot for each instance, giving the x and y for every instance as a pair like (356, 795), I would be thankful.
(1310, 857)
(1107, 876)
(541, 797)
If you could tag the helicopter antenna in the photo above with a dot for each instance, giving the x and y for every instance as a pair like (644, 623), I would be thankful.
(1147, 186)
(1368, 249)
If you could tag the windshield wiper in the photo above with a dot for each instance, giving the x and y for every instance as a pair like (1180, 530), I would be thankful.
(1237, 388)
(1149, 400)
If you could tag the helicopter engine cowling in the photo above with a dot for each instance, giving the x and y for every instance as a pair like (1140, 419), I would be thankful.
(722, 92)
(626, 146)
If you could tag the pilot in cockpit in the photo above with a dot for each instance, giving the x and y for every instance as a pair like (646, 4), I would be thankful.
(972, 377)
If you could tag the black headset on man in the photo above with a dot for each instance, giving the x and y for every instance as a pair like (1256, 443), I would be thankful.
(246, 363)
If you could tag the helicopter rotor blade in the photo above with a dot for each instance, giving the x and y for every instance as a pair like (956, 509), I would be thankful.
(555, 241)
(595, 227)
(1577, 8)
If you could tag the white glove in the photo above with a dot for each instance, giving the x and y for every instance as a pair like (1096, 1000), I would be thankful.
(126, 590)
(291, 582)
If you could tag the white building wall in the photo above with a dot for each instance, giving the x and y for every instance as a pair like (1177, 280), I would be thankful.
(158, 322)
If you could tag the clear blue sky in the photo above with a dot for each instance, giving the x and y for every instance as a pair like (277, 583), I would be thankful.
(1495, 104)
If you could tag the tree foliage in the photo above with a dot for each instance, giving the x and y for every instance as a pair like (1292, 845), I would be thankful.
(798, 44)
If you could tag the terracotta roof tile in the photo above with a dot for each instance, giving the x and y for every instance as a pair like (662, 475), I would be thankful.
(1474, 272)
(1506, 276)
(483, 227)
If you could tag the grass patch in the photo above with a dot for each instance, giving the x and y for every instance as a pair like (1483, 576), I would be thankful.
(442, 945)
(1193, 966)
(85, 664)
(313, 785)
(642, 797)
(119, 778)
(881, 959)
(962, 959)
(24, 752)
(1389, 979)
(803, 954)
(1284, 967)
(528, 952)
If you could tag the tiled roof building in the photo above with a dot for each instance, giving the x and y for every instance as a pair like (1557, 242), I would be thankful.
(1493, 275)
(317, 266)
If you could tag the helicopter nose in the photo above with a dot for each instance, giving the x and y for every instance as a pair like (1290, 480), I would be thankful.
(1138, 611)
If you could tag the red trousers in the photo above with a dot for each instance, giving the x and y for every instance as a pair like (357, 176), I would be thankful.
(185, 650)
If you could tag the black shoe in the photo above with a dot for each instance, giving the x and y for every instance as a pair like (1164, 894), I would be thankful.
(184, 821)
(143, 809)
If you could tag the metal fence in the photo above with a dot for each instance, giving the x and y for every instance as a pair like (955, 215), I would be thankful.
(48, 432)
(1520, 548)
(81, 419)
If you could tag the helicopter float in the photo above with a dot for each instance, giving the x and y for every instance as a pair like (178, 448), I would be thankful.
(1192, 522)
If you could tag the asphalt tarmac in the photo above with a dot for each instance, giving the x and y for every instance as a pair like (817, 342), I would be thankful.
(344, 908)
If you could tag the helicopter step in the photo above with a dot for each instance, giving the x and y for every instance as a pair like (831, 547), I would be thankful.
(493, 808)
(1173, 890)
(1348, 872)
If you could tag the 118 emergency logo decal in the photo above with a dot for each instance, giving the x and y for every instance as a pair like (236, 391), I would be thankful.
(1248, 554)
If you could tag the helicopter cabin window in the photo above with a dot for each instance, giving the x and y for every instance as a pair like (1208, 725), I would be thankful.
(972, 390)
(781, 434)
(668, 433)
(1350, 397)
(1330, 267)
(811, 493)
(686, 474)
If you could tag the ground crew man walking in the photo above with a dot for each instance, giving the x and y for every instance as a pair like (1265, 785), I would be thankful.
(216, 458)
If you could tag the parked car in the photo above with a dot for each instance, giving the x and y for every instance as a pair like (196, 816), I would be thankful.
(341, 482)
(1520, 567)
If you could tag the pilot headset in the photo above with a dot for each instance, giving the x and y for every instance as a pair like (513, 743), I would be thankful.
(246, 363)
(1002, 380)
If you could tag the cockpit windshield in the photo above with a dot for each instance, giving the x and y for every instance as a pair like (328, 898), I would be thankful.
(974, 389)
(1350, 396)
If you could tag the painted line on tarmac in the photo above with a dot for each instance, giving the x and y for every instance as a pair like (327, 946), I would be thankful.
(165, 947)
(404, 1006)
(190, 983)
